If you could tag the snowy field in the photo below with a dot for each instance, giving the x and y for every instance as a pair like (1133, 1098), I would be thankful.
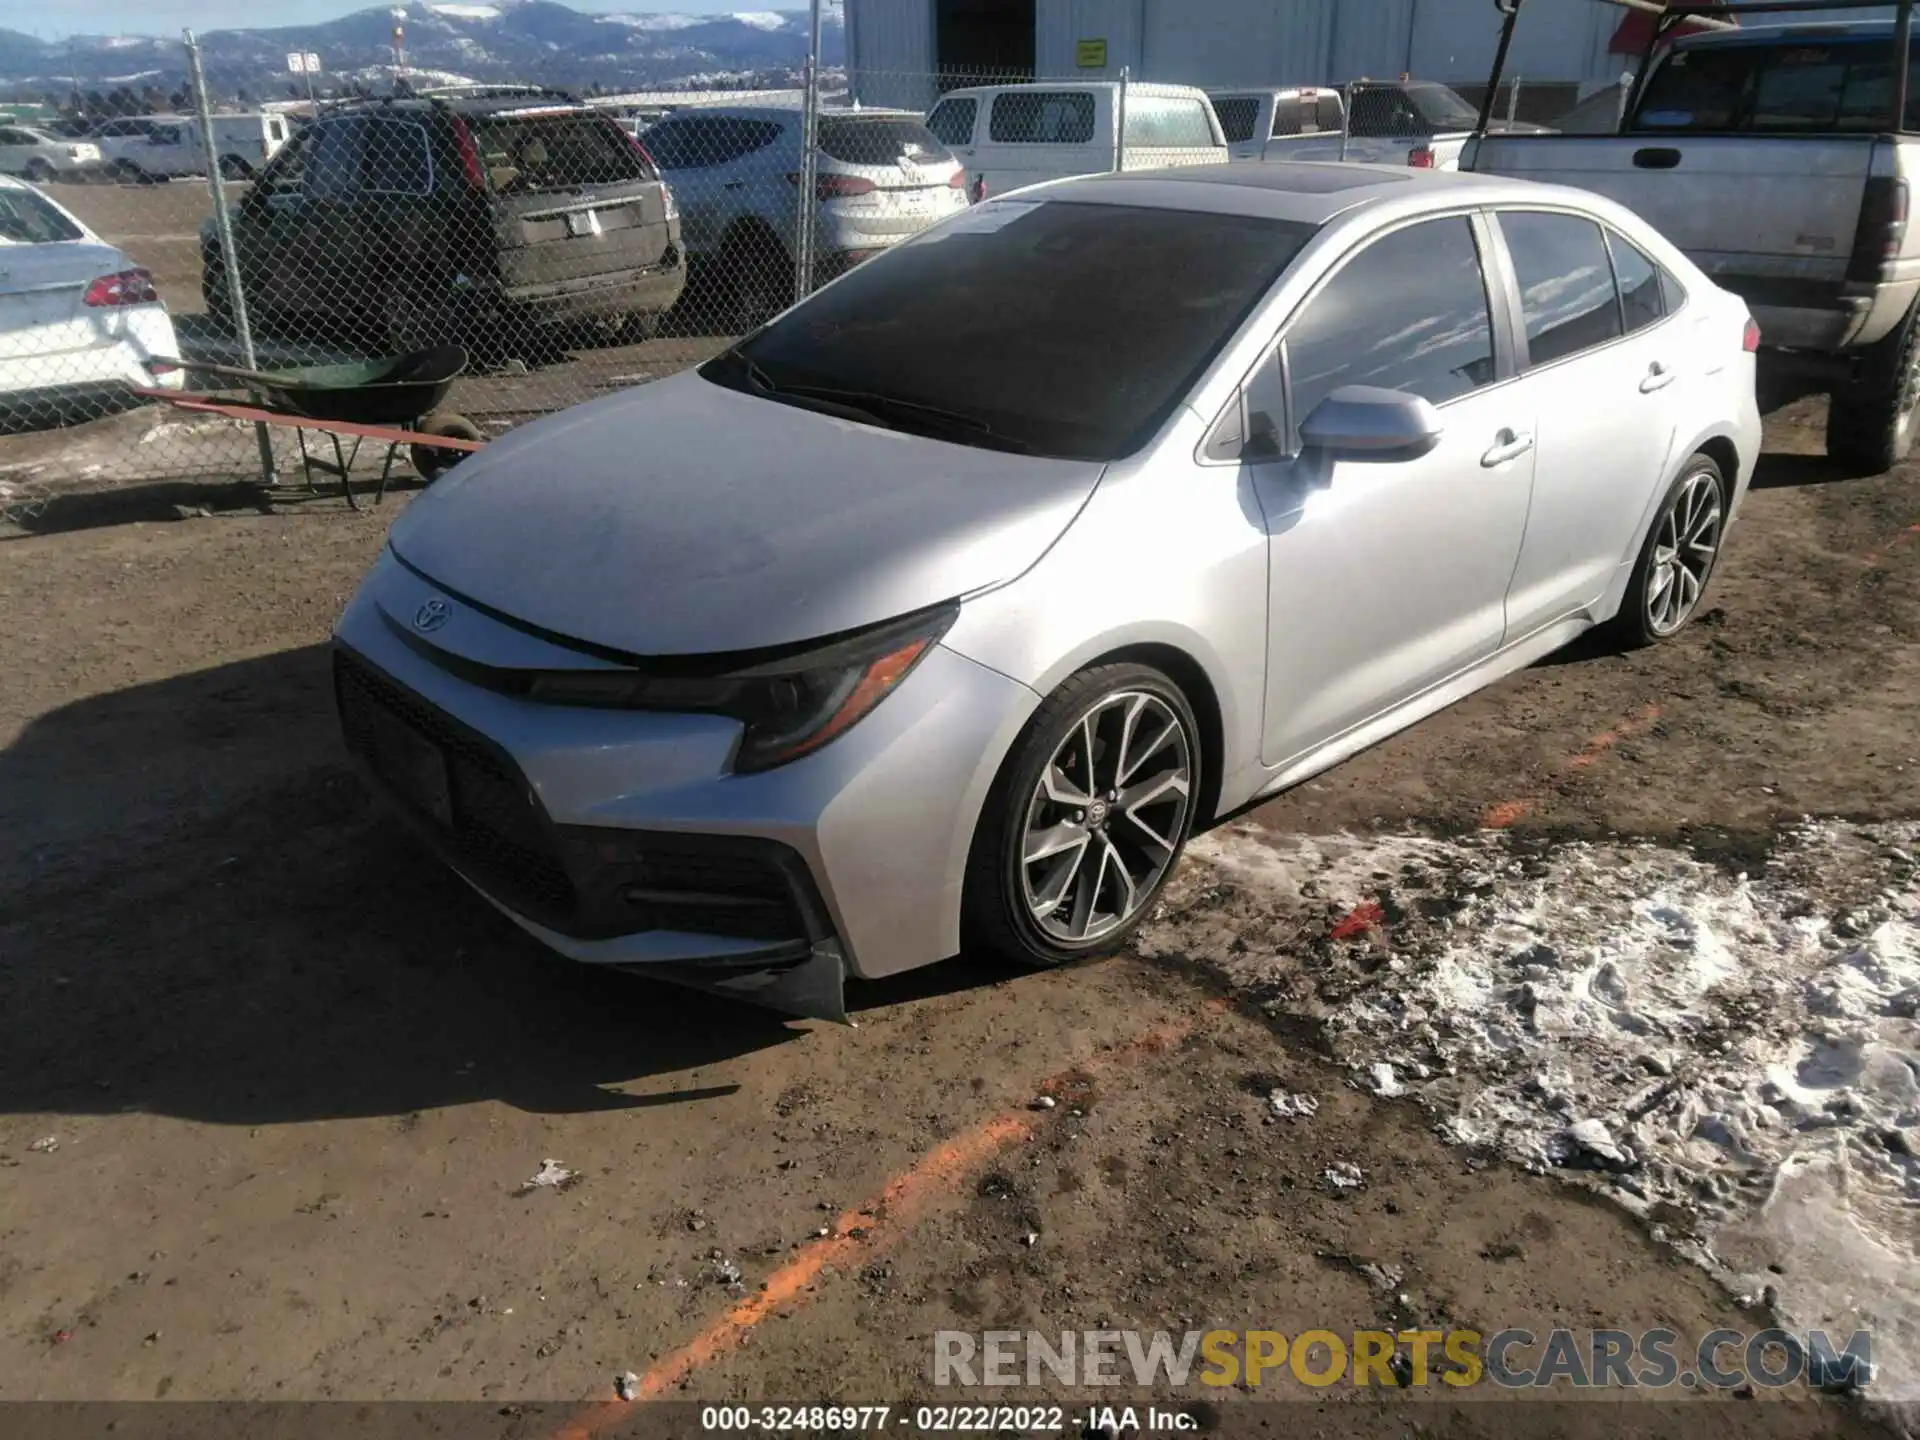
(1728, 1048)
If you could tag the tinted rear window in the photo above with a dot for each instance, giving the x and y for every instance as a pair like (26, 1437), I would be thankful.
(1442, 108)
(555, 152)
(1071, 330)
(1817, 86)
(880, 142)
(1238, 115)
(1167, 122)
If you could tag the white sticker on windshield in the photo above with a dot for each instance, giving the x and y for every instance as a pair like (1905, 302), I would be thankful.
(985, 218)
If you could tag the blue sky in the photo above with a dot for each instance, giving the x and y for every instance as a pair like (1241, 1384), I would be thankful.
(167, 17)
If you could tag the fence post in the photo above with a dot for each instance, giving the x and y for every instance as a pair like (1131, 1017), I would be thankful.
(223, 227)
(1120, 122)
(1346, 116)
(809, 162)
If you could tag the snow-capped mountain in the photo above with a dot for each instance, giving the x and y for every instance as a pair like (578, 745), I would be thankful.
(535, 41)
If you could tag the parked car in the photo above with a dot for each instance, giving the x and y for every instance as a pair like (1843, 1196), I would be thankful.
(880, 178)
(950, 602)
(1415, 122)
(37, 155)
(148, 148)
(1769, 156)
(423, 220)
(1292, 123)
(1008, 136)
(78, 318)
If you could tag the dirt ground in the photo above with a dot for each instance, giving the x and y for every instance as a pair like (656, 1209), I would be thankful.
(297, 1075)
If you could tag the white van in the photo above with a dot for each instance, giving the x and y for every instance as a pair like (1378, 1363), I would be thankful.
(159, 147)
(1008, 136)
(1294, 123)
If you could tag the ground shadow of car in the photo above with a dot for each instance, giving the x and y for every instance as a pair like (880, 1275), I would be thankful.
(208, 916)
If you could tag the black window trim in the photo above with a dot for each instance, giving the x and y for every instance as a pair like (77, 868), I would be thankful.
(1503, 317)
(1517, 317)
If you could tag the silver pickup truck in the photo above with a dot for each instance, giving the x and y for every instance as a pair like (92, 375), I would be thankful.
(1771, 155)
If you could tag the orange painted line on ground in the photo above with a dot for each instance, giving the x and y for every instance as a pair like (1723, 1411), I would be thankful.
(1879, 553)
(864, 1231)
(1510, 812)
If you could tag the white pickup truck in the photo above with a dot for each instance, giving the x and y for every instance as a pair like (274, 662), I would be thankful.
(1415, 122)
(1772, 157)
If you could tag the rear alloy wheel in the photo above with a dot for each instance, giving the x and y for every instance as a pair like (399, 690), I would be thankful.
(1086, 822)
(1872, 432)
(1678, 558)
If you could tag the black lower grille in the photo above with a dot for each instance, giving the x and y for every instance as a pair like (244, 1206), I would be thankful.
(488, 819)
(586, 882)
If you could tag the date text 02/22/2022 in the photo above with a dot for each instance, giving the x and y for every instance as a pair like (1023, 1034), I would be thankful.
(937, 1419)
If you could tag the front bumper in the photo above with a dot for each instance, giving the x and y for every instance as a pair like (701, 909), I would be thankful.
(622, 838)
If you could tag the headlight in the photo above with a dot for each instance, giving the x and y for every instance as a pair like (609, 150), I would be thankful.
(790, 707)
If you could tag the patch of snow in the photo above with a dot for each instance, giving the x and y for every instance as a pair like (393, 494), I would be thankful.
(760, 19)
(654, 22)
(463, 12)
(1741, 1050)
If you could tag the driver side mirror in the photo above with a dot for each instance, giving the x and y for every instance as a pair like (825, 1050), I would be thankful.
(1364, 422)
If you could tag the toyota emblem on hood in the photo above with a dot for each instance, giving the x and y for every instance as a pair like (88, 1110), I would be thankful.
(431, 615)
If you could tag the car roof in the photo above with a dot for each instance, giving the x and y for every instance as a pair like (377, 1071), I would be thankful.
(1307, 191)
(1787, 33)
(1137, 87)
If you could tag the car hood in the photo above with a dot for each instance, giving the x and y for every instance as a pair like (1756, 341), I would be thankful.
(684, 518)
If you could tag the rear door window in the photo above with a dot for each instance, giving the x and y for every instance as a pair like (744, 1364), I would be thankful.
(335, 158)
(526, 151)
(1041, 117)
(1238, 113)
(397, 160)
(1168, 122)
(1567, 297)
(952, 120)
(880, 142)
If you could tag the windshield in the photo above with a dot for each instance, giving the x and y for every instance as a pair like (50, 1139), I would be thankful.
(30, 219)
(568, 151)
(1442, 108)
(1058, 328)
(1821, 86)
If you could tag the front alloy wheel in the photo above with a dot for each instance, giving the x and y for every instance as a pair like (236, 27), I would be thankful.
(1088, 819)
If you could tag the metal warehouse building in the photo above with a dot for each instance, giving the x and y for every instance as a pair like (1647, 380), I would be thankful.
(896, 48)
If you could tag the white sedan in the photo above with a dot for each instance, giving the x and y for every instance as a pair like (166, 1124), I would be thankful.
(78, 319)
(40, 157)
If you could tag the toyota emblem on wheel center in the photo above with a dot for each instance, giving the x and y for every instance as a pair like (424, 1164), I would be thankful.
(432, 614)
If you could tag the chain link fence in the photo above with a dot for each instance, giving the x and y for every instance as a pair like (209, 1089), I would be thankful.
(452, 263)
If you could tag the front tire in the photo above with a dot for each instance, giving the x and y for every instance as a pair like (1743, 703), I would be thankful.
(1087, 818)
(1678, 558)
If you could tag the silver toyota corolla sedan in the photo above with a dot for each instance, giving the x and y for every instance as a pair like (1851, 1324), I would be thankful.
(942, 609)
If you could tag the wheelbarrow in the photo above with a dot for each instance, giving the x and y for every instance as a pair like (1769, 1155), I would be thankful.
(395, 400)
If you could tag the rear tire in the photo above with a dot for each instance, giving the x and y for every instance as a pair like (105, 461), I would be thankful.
(232, 167)
(756, 280)
(37, 172)
(213, 291)
(1677, 559)
(1086, 819)
(432, 463)
(1871, 425)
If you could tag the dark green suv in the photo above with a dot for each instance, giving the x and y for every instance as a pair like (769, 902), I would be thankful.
(430, 219)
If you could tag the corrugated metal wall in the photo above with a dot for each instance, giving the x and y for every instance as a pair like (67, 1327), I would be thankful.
(1240, 42)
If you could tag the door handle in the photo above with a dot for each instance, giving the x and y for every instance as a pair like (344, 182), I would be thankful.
(1507, 445)
(1658, 377)
(1657, 158)
(733, 185)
